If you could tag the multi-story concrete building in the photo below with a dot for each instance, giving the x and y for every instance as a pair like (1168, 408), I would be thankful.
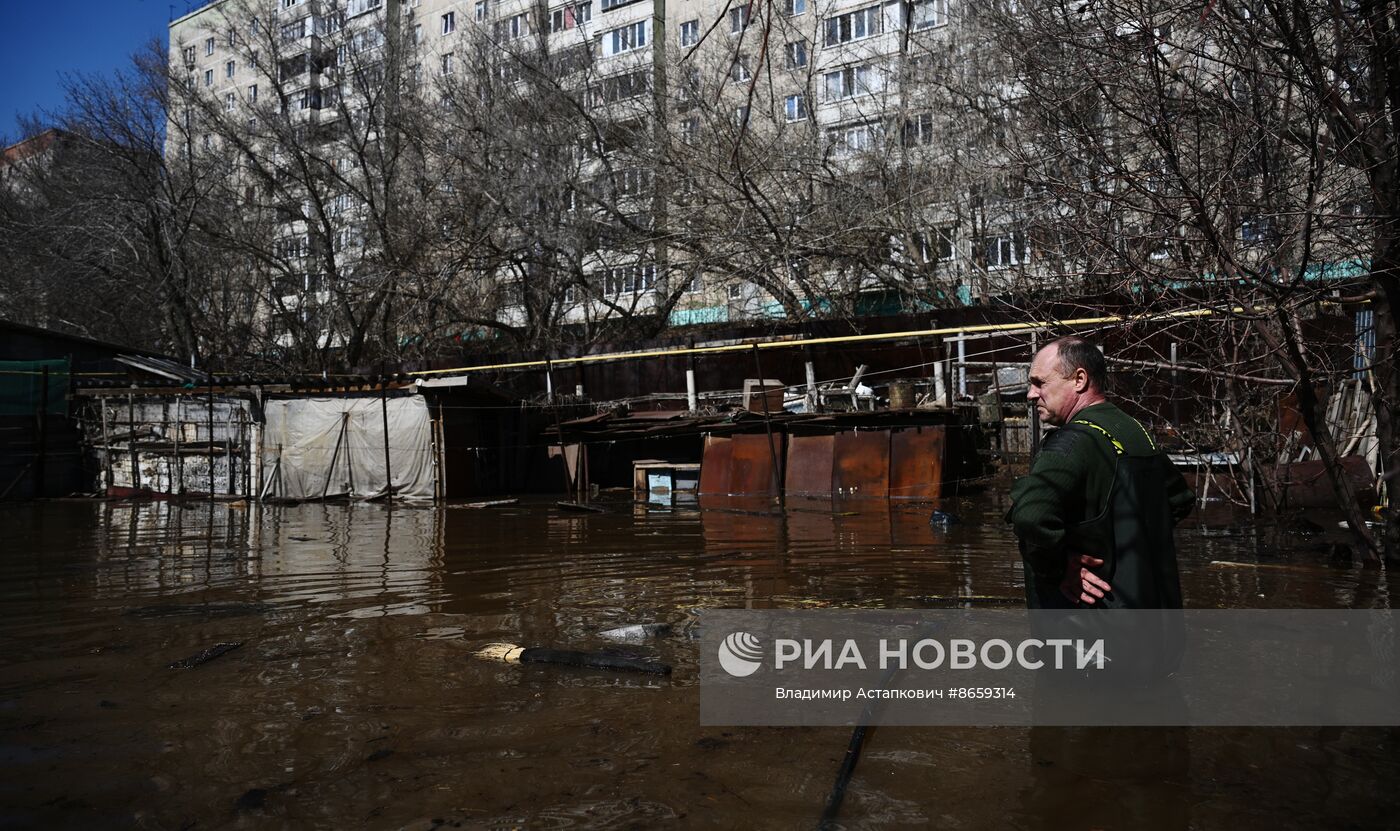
(735, 160)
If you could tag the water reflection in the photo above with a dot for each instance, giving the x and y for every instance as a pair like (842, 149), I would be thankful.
(353, 699)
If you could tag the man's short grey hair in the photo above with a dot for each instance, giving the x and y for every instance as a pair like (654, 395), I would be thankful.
(1077, 353)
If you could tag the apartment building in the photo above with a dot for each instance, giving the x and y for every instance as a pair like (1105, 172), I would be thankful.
(665, 90)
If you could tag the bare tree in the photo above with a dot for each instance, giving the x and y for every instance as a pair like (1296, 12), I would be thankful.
(1237, 156)
(107, 234)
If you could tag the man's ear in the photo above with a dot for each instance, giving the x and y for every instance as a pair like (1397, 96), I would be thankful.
(1081, 380)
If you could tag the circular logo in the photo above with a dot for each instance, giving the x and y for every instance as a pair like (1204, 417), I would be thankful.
(741, 654)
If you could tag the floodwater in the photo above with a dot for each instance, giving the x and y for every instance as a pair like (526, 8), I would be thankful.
(354, 701)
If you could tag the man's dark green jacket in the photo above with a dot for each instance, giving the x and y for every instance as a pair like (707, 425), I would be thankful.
(1101, 487)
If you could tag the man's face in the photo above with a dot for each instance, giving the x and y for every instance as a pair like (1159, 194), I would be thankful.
(1053, 394)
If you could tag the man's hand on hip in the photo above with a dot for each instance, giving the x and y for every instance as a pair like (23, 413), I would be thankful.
(1080, 584)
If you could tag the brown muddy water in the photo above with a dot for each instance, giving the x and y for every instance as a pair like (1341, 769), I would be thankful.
(354, 703)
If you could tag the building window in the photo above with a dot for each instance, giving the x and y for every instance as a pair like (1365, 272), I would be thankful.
(795, 107)
(738, 19)
(690, 128)
(849, 82)
(252, 93)
(445, 64)
(511, 28)
(1256, 230)
(629, 280)
(918, 129)
(739, 70)
(480, 11)
(844, 28)
(449, 23)
(792, 8)
(936, 246)
(926, 14)
(795, 54)
(741, 116)
(228, 102)
(208, 46)
(620, 88)
(209, 77)
(230, 68)
(613, 4)
(690, 33)
(1006, 249)
(417, 33)
(328, 24)
(633, 181)
(625, 38)
(287, 4)
(296, 30)
(857, 138)
(354, 8)
(570, 16)
(189, 56)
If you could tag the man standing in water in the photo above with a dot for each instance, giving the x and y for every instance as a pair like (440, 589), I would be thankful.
(1095, 515)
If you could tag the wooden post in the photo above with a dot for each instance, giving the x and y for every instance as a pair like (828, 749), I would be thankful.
(384, 414)
(1176, 396)
(962, 364)
(441, 454)
(570, 482)
(210, 424)
(41, 438)
(106, 447)
(131, 441)
(335, 456)
(1034, 414)
(777, 478)
(349, 463)
(179, 484)
(814, 403)
(996, 390)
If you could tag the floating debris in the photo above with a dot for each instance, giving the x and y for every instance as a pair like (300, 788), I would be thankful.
(510, 653)
(637, 632)
(206, 656)
(579, 506)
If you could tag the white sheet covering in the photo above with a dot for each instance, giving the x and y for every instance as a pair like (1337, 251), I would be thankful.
(306, 431)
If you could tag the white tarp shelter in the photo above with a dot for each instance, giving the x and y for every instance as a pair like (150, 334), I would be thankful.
(315, 447)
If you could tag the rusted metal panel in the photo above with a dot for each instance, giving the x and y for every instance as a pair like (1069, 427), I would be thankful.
(916, 462)
(752, 463)
(809, 465)
(716, 465)
(861, 464)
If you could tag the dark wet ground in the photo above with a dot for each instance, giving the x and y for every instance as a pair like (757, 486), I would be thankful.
(353, 701)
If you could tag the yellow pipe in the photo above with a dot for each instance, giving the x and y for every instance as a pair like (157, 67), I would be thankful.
(781, 344)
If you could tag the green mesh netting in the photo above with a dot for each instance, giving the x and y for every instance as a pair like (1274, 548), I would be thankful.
(22, 382)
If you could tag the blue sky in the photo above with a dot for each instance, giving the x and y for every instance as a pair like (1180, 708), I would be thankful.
(42, 39)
